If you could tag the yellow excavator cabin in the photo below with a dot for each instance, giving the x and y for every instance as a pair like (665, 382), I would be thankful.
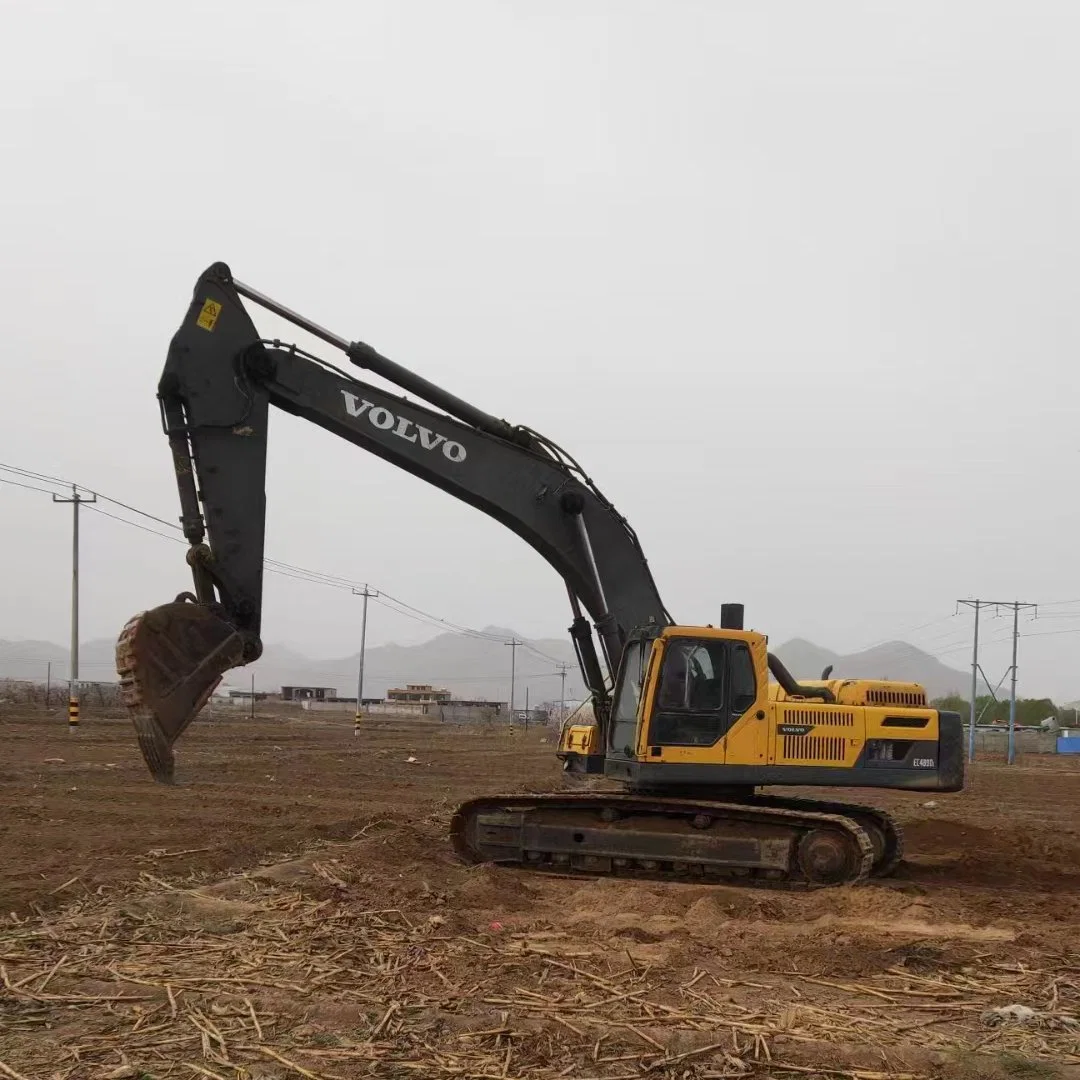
(694, 708)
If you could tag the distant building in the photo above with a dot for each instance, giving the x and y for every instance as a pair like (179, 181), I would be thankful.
(468, 712)
(479, 703)
(418, 694)
(308, 693)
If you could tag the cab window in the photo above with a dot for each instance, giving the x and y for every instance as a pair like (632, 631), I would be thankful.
(743, 682)
(705, 686)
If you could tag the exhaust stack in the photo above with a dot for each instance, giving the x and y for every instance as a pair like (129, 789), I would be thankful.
(731, 616)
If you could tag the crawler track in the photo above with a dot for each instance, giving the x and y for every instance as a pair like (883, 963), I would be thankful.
(760, 841)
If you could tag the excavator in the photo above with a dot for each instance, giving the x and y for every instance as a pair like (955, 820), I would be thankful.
(688, 723)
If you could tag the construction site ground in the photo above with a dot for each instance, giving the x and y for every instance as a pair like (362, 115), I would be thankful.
(292, 908)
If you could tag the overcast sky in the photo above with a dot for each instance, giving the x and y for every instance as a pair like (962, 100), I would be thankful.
(797, 283)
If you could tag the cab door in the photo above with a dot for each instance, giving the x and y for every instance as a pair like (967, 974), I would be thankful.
(748, 738)
(706, 705)
(689, 702)
(628, 703)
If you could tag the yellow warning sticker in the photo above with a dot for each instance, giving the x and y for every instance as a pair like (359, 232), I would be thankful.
(208, 317)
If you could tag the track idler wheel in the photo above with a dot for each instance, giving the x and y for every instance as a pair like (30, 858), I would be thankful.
(883, 830)
(826, 856)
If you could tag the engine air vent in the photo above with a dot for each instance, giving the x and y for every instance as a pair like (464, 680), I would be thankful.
(905, 721)
(880, 696)
(819, 717)
(813, 748)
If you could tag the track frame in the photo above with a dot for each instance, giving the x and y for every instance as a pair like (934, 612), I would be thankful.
(633, 835)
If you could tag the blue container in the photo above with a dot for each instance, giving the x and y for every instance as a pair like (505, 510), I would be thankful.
(1068, 744)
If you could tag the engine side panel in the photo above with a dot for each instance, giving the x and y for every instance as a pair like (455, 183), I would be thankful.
(924, 764)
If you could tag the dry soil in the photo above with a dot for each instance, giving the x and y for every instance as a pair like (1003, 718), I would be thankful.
(292, 908)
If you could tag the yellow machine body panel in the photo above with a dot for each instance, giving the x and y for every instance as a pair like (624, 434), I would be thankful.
(581, 739)
(898, 724)
(695, 707)
(904, 695)
(813, 733)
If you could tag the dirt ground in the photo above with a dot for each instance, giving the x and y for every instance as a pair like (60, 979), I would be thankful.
(292, 908)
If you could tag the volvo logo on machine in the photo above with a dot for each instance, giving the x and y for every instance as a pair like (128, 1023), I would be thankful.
(404, 428)
(795, 729)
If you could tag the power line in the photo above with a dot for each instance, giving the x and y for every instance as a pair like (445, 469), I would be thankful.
(136, 525)
(35, 475)
(406, 610)
(283, 569)
(398, 675)
(433, 620)
(909, 630)
(945, 618)
(539, 652)
(29, 487)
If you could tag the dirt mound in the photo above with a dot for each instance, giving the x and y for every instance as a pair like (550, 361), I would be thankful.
(194, 910)
(488, 893)
(605, 895)
(1011, 853)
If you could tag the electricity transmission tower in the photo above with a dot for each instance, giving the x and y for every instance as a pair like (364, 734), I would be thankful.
(1016, 605)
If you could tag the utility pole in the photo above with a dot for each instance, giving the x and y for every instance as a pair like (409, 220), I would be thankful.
(73, 680)
(513, 643)
(366, 593)
(1016, 605)
(563, 668)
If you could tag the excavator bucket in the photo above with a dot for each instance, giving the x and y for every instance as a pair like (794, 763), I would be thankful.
(169, 660)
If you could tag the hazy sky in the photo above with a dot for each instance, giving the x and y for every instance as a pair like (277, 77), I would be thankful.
(795, 282)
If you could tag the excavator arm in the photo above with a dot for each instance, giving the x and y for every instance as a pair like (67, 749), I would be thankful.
(219, 382)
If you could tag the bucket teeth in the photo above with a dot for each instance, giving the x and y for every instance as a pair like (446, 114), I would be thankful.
(155, 747)
(169, 660)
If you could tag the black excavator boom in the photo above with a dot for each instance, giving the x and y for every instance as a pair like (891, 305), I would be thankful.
(221, 379)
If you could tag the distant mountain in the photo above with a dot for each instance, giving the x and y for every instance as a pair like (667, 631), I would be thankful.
(804, 659)
(473, 666)
(469, 665)
(891, 660)
(40, 659)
